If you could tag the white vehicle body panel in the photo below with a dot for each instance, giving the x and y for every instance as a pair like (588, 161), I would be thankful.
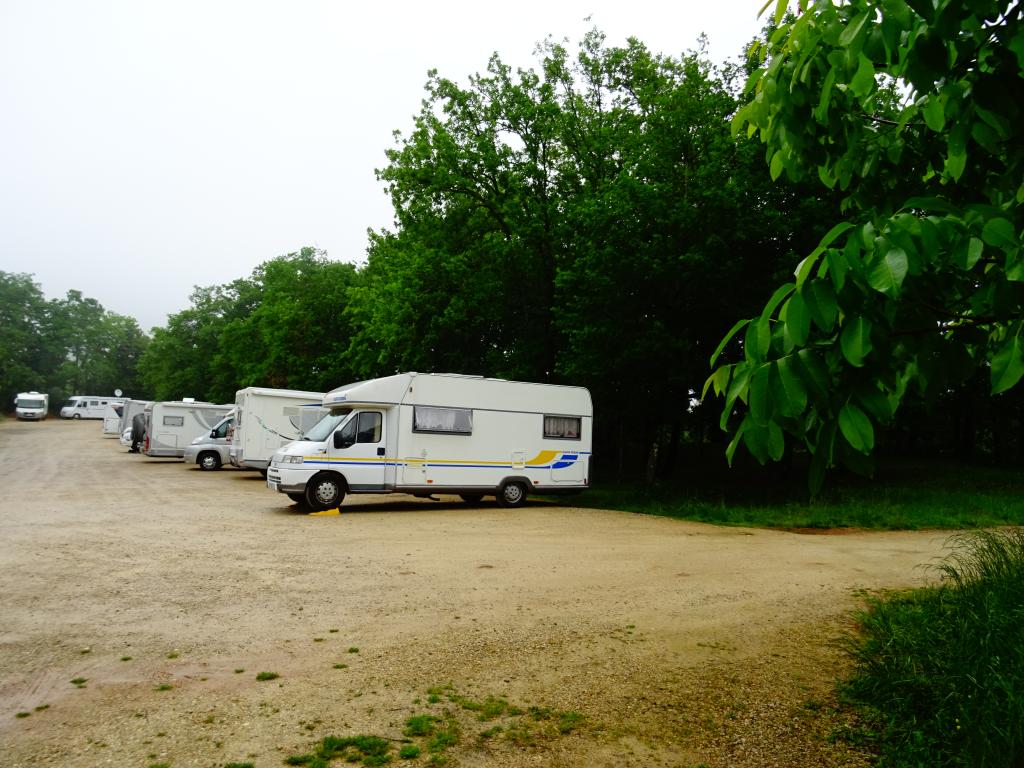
(267, 419)
(449, 433)
(172, 425)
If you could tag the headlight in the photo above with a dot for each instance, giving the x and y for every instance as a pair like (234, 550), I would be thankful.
(291, 459)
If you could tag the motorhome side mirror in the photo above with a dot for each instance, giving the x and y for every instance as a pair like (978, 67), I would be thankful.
(213, 433)
(340, 441)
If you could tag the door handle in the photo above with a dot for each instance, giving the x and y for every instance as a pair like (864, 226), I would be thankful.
(380, 451)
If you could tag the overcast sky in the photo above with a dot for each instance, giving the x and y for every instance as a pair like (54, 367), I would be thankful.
(148, 147)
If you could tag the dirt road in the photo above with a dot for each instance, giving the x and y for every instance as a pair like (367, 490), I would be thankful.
(547, 636)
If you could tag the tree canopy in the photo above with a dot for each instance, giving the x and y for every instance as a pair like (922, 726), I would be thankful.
(913, 112)
(63, 346)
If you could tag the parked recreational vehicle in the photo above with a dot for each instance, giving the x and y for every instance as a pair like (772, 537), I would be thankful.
(431, 433)
(31, 406)
(266, 419)
(210, 450)
(87, 406)
(112, 415)
(171, 426)
(131, 408)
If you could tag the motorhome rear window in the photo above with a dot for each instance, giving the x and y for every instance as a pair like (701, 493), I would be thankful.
(174, 421)
(562, 427)
(453, 421)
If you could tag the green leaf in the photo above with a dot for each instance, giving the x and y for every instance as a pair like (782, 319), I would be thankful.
(821, 457)
(798, 319)
(821, 301)
(855, 341)
(955, 164)
(777, 165)
(998, 232)
(852, 30)
(791, 394)
(1008, 365)
(756, 439)
(760, 395)
(856, 428)
(863, 79)
(727, 338)
(804, 268)
(886, 276)
(734, 443)
(969, 253)
(815, 376)
(934, 113)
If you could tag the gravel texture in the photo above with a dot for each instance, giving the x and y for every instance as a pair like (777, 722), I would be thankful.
(614, 639)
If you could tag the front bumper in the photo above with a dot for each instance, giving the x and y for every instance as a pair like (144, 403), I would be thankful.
(288, 480)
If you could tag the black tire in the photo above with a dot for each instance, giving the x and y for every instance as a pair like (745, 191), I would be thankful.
(77, 416)
(324, 491)
(208, 461)
(512, 494)
(263, 474)
(298, 498)
(471, 498)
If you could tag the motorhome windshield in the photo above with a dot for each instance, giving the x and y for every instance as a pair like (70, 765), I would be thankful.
(70, 403)
(25, 402)
(326, 426)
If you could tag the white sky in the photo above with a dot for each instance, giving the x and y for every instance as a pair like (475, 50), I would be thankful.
(147, 147)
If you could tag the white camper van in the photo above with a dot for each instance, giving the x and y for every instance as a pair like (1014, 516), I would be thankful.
(112, 416)
(87, 406)
(209, 451)
(266, 419)
(441, 433)
(31, 406)
(171, 426)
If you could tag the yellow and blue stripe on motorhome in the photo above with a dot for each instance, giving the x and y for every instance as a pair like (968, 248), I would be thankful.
(543, 460)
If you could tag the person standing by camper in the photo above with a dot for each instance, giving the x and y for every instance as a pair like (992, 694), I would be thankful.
(138, 432)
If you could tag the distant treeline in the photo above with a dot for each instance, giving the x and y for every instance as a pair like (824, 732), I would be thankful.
(592, 221)
(63, 346)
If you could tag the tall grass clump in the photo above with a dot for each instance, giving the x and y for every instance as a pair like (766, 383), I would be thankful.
(939, 672)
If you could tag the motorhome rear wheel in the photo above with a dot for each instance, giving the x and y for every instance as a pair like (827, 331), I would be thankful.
(512, 494)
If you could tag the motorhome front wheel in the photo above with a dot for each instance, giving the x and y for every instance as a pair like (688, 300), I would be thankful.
(324, 492)
(208, 461)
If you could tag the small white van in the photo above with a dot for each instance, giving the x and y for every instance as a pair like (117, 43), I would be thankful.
(440, 433)
(31, 406)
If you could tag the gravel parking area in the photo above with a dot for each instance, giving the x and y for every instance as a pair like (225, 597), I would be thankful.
(549, 635)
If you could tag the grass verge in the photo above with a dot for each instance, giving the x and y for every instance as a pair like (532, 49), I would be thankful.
(903, 496)
(939, 677)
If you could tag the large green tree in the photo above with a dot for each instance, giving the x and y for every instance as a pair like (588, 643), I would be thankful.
(913, 110)
(590, 221)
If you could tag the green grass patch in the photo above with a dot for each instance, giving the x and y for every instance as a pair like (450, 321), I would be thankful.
(409, 752)
(939, 677)
(165, 687)
(23, 714)
(267, 676)
(420, 725)
(903, 496)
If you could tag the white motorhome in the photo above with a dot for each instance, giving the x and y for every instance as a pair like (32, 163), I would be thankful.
(87, 406)
(31, 406)
(266, 419)
(112, 416)
(171, 425)
(441, 433)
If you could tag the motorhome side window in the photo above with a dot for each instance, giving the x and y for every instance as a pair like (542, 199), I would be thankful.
(174, 421)
(222, 430)
(562, 427)
(454, 421)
